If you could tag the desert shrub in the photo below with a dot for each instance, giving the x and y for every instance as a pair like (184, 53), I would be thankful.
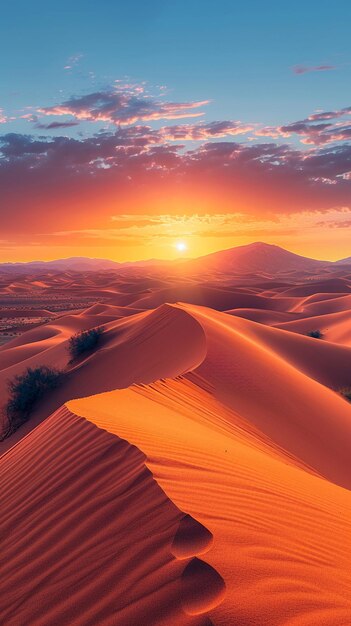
(84, 341)
(25, 390)
(316, 334)
(346, 393)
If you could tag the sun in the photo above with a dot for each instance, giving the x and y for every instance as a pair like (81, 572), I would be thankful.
(181, 246)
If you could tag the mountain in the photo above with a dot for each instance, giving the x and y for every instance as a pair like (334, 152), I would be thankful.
(84, 264)
(254, 258)
(346, 261)
(79, 264)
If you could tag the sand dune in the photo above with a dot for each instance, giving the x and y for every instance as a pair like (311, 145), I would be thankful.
(247, 519)
(130, 352)
(271, 318)
(325, 305)
(336, 327)
(322, 360)
(195, 469)
(269, 515)
(333, 285)
(220, 299)
(90, 534)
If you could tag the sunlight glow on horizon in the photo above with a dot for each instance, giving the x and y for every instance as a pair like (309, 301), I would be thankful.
(181, 246)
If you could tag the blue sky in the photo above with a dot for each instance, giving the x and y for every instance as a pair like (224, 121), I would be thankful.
(238, 54)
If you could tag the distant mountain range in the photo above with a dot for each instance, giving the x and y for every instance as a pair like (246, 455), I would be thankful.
(80, 264)
(252, 258)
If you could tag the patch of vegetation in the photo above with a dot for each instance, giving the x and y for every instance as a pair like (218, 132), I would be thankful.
(316, 334)
(25, 390)
(346, 393)
(84, 341)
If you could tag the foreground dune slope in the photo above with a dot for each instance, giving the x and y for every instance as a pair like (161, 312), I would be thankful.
(88, 535)
(281, 534)
(220, 495)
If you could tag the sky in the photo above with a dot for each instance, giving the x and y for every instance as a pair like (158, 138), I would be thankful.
(135, 130)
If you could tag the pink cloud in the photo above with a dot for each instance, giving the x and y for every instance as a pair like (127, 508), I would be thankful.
(311, 132)
(271, 131)
(304, 69)
(329, 115)
(203, 131)
(123, 105)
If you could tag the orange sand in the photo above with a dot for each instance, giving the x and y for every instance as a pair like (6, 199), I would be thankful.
(202, 475)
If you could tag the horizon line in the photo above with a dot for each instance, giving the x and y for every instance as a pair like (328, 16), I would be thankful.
(180, 259)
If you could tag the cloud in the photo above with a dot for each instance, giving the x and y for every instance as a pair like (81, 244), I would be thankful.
(304, 69)
(201, 132)
(147, 229)
(318, 128)
(329, 115)
(87, 180)
(134, 148)
(72, 61)
(123, 105)
(56, 183)
(56, 125)
(3, 119)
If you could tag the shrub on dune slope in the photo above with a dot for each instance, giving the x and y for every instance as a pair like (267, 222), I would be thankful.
(346, 393)
(316, 334)
(25, 390)
(84, 341)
